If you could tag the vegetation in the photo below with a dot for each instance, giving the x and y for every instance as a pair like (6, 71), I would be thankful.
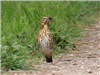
(20, 23)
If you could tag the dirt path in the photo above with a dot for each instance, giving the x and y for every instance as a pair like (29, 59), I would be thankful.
(85, 60)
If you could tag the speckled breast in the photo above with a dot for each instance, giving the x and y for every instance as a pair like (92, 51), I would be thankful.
(45, 46)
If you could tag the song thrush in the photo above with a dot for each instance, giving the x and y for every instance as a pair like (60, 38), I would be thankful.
(45, 39)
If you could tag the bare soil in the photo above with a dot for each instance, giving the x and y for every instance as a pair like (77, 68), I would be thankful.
(85, 60)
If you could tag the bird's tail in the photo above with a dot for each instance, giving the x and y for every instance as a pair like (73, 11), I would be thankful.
(48, 59)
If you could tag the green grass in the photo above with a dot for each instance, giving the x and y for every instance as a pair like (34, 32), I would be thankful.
(20, 23)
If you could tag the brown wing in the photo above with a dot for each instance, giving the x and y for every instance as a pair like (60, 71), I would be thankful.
(38, 38)
(51, 40)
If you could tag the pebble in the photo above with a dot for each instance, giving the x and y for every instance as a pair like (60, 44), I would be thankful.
(15, 74)
(90, 47)
(82, 67)
(86, 51)
(53, 72)
(71, 55)
(99, 46)
(74, 63)
(89, 71)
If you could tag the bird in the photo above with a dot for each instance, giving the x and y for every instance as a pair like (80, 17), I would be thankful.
(45, 39)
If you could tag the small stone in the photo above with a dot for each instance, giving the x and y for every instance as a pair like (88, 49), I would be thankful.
(90, 47)
(71, 55)
(99, 58)
(97, 26)
(99, 22)
(86, 51)
(99, 46)
(82, 67)
(89, 71)
(15, 74)
(74, 63)
(53, 72)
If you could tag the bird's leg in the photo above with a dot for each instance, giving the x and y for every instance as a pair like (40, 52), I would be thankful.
(42, 58)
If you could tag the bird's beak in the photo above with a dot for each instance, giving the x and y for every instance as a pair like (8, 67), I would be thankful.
(50, 18)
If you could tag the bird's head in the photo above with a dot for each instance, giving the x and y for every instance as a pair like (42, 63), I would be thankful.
(45, 21)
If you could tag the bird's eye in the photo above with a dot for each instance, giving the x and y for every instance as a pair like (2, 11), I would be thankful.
(43, 18)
